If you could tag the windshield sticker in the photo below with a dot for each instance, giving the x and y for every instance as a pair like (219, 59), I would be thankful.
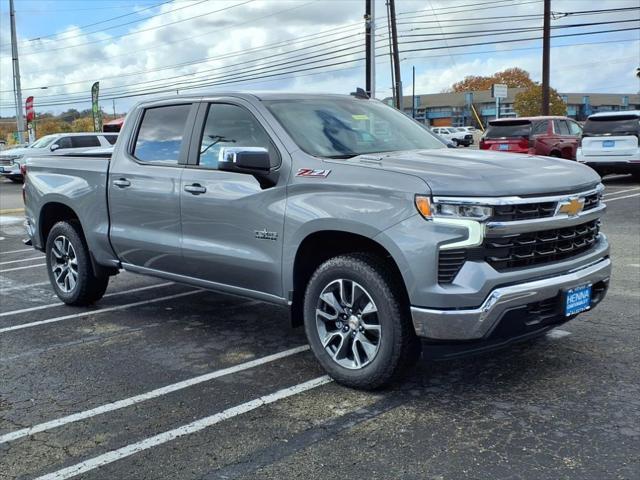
(310, 172)
(359, 117)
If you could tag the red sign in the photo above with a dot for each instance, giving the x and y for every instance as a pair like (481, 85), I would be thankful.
(29, 109)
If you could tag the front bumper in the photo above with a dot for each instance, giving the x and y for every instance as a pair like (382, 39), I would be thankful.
(478, 323)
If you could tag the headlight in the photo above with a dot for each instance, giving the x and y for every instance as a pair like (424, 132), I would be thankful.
(429, 209)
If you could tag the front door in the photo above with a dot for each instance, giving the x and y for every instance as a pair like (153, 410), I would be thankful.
(232, 227)
(144, 189)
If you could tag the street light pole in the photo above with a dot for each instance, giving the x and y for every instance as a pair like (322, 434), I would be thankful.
(17, 90)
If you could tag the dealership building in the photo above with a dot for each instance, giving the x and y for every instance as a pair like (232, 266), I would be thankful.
(456, 109)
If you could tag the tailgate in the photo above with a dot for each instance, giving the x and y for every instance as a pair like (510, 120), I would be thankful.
(610, 146)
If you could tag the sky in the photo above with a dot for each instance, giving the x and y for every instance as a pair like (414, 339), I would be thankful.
(158, 47)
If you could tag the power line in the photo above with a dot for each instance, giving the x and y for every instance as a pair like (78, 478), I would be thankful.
(224, 80)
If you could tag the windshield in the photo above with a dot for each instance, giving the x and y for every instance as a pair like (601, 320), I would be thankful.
(612, 125)
(44, 141)
(343, 128)
(515, 128)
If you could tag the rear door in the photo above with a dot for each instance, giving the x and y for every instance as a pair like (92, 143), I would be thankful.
(144, 188)
(564, 144)
(232, 226)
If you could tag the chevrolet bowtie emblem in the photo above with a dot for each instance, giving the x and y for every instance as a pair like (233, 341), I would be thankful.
(571, 207)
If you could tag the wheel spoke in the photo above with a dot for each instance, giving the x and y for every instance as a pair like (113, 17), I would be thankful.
(369, 308)
(330, 337)
(343, 347)
(368, 347)
(324, 316)
(356, 354)
(372, 327)
(72, 280)
(330, 299)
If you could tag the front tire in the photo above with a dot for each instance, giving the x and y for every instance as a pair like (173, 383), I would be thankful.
(357, 323)
(69, 266)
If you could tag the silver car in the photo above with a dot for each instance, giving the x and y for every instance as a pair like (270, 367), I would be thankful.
(58, 144)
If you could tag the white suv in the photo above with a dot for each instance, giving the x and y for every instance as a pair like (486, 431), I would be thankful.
(609, 142)
(454, 135)
(57, 144)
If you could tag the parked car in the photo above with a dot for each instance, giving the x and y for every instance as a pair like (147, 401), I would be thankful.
(610, 142)
(470, 130)
(453, 135)
(58, 144)
(548, 136)
(374, 235)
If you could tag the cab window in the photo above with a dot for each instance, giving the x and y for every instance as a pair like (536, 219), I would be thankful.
(231, 126)
(161, 134)
(85, 141)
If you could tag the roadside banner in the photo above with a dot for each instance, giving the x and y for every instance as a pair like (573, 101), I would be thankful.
(31, 115)
(95, 108)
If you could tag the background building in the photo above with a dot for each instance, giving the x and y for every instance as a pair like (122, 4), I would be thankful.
(454, 109)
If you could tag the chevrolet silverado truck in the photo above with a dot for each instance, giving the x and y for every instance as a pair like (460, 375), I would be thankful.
(381, 241)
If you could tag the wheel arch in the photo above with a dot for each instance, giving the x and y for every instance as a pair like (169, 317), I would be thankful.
(319, 246)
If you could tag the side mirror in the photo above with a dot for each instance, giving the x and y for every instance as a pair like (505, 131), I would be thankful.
(54, 147)
(250, 160)
(254, 160)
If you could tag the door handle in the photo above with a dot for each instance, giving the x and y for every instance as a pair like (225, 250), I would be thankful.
(195, 189)
(122, 182)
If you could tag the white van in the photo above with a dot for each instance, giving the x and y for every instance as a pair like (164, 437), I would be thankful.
(609, 142)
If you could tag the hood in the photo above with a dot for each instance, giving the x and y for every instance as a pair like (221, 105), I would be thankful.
(25, 151)
(469, 173)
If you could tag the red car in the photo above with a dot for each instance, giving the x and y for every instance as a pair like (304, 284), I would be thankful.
(548, 136)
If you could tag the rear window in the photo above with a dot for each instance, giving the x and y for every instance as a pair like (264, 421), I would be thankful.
(510, 129)
(111, 139)
(612, 125)
(85, 141)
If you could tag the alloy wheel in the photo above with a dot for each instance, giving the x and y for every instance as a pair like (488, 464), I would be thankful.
(64, 264)
(347, 324)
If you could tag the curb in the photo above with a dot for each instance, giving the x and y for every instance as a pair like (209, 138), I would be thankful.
(11, 210)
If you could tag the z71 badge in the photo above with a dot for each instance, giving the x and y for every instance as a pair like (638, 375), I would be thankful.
(310, 172)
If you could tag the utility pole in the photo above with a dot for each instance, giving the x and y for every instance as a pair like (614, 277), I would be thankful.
(114, 107)
(17, 90)
(370, 46)
(546, 45)
(393, 82)
(396, 54)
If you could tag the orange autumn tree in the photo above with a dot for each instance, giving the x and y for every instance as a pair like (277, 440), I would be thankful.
(512, 77)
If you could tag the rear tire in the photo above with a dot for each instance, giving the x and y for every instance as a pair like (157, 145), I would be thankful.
(16, 179)
(69, 266)
(357, 323)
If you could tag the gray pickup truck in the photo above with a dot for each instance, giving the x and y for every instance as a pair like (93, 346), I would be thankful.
(374, 235)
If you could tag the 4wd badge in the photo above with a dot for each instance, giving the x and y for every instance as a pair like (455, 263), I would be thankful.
(265, 235)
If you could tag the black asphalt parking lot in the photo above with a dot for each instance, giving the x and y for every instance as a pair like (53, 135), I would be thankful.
(164, 381)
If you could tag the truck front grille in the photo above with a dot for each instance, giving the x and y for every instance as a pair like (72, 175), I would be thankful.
(532, 211)
(537, 248)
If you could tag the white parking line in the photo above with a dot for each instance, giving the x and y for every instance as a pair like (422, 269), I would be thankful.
(188, 429)
(617, 192)
(57, 304)
(620, 198)
(158, 392)
(94, 312)
(21, 287)
(21, 268)
(17, 251)
(22, 260)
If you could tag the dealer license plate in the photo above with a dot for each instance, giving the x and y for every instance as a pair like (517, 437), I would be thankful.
(503, 146)
(577, 299)
(608, 143)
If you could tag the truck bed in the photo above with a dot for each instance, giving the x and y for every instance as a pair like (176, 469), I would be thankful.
(76, 182)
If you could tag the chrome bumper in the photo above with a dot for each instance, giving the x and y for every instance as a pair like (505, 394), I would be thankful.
(471, 324)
